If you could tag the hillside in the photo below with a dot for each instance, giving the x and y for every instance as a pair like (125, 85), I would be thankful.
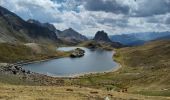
(145, 70)
(12, 53)
(14, 29)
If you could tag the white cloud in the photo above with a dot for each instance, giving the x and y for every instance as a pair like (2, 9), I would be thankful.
(73, 13)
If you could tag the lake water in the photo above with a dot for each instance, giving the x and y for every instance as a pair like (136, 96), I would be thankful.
(93, 61)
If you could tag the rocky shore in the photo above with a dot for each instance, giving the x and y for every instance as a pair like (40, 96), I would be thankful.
(15, 69)
(21, 76)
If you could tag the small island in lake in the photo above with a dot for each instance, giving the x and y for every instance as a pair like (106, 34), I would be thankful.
(77, 53)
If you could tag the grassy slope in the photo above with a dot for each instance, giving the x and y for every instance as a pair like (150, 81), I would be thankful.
(18, 52)
(11, 92)
(145, 70)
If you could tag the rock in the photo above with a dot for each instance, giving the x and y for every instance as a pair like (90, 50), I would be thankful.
(71, 90)
(3, 64)
(14, 72)
(28, 72)
(18, 68)
(77, 53)
(23, 71)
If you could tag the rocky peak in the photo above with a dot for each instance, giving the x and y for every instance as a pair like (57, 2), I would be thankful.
(71, 33)
(102, 36)
(70, 30)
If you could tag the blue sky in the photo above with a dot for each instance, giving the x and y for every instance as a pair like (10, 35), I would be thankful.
(89, 16)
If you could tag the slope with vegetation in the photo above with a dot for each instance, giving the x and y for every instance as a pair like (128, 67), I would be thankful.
(11, 53)
(145, 70)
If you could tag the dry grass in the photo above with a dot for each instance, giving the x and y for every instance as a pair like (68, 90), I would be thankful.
(11, 53)
(10, 92)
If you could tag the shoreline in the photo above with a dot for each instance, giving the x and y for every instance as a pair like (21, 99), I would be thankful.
(36, 61)
(118, 66)
(90, 73)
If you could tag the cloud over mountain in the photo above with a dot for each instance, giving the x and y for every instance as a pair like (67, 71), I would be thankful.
(89, 16)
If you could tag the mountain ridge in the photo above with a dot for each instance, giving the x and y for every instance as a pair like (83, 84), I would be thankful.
(12, 26)
(15, 29)
(134, 39)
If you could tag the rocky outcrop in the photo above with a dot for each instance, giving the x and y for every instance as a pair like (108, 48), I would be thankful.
(102, 37)
(77, 53)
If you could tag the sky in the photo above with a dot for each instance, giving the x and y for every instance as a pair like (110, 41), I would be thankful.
(90, 16)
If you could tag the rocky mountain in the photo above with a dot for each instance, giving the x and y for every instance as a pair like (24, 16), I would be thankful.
(102, 37)
(71, 34)
(51, 27)
(13, 29)
(139, 38)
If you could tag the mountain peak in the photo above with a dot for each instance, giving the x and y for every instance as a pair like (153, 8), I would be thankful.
(102, 36)
(72, 34)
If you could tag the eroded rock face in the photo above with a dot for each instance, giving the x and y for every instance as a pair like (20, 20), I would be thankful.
(77, 53)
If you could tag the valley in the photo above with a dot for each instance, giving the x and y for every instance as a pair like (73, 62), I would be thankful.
(37, 60)
(147, 78)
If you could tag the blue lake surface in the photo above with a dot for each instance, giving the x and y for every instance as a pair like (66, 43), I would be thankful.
(93, 61)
